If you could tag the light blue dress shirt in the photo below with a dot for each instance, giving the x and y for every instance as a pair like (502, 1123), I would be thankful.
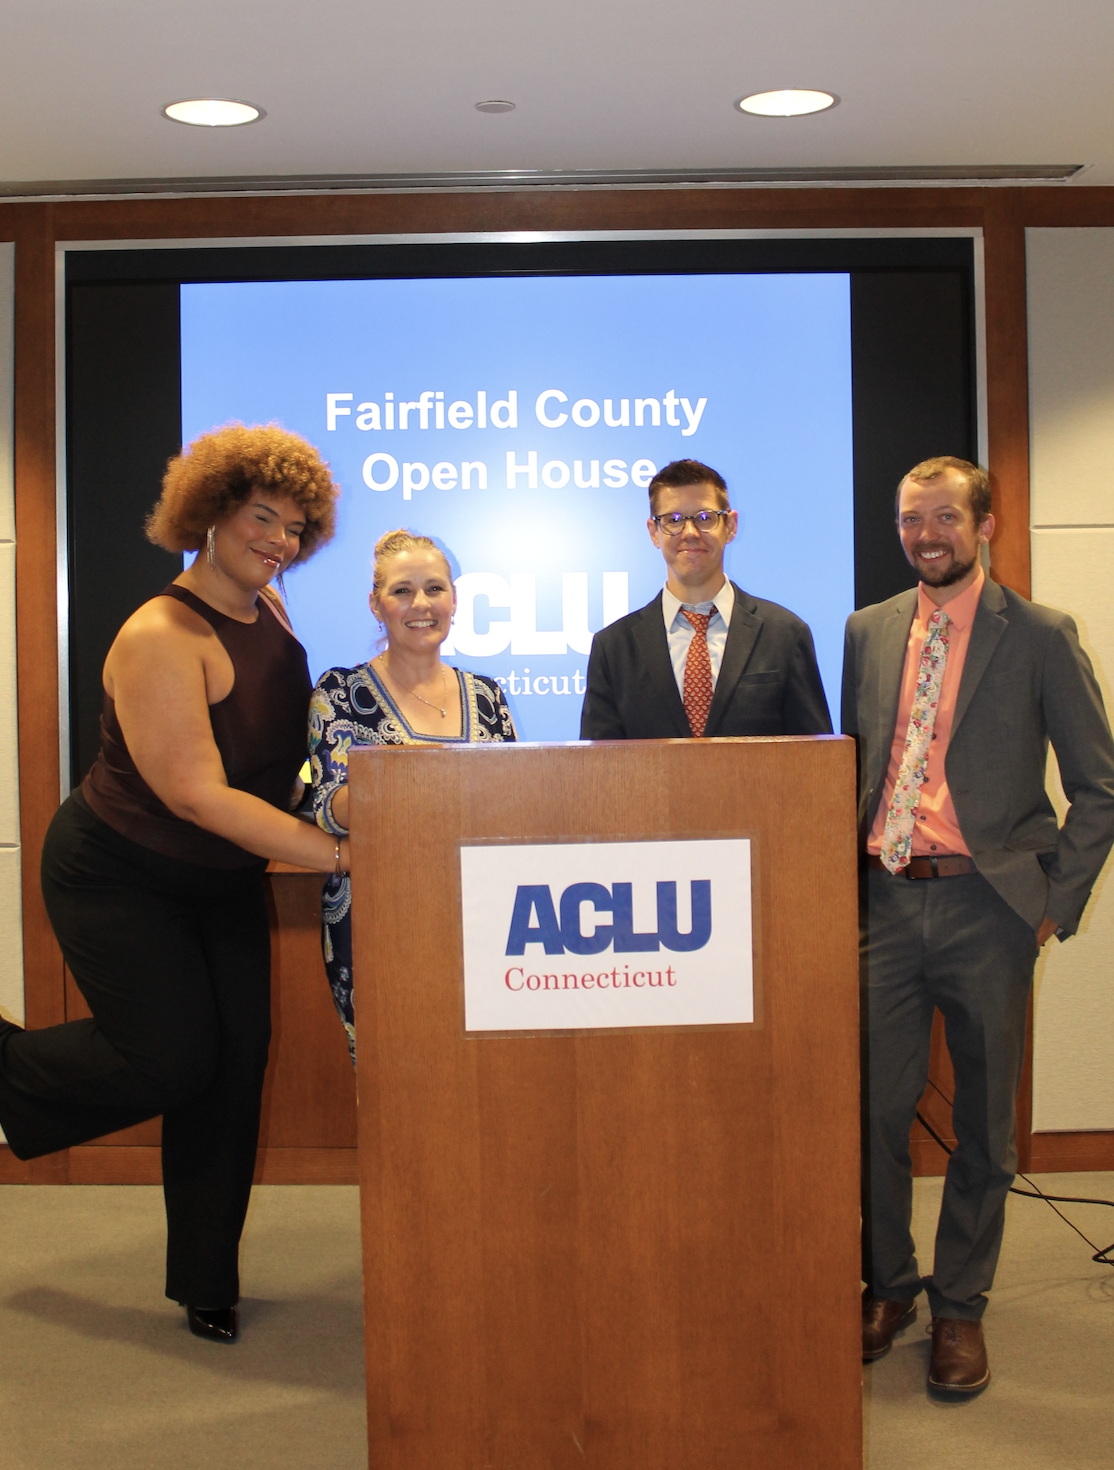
(678, 630)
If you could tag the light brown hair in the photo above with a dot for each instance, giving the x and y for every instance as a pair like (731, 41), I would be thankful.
(978, 485)
(219, 471)
(397, 543)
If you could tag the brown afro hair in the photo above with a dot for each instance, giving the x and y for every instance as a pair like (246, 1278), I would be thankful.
(217, 473)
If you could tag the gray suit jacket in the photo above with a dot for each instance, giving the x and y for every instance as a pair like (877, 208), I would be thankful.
(1026, 681)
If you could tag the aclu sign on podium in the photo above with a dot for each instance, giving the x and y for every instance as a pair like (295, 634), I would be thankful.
(581, 935)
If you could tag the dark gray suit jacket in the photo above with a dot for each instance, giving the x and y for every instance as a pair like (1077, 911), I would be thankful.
(1026, 681)
(768, 682)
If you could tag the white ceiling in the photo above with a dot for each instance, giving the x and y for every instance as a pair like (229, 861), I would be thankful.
(357, 87)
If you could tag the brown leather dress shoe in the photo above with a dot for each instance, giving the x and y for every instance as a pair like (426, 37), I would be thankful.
(881, 1319)
(958, 1356)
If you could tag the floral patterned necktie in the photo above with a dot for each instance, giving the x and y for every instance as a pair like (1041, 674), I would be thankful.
(897, 839)
(697, 695)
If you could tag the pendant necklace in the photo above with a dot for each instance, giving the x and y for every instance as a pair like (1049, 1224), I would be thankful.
(442, 709)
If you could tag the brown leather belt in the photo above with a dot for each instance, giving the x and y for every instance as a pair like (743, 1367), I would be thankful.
(947, 865)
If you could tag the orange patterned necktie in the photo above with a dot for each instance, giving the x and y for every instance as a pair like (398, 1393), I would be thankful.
(698, 673)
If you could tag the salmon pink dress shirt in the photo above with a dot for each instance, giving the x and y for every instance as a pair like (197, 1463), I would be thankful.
(936, 830)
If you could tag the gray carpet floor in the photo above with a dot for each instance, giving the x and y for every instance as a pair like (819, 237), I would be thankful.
(1050, 1338)
(97, 1369)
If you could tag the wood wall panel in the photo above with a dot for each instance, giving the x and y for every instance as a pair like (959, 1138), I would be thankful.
(108, 1164)
(307, 1132)
(50, 1169)
(309, 1100)
(936, 1108)
(36, 616)
(1007, 389)
(36, 605)
(308, 1083)
(1066, 1153)
(1049, 1153)
(523, 209)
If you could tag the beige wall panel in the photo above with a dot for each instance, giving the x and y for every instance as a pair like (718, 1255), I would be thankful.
(1071, 392)
(1070, 276)
(1073, 1062)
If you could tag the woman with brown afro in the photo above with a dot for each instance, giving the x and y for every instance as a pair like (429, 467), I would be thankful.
(152, 870)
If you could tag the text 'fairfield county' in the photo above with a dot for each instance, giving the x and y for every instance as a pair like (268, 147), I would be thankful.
(430, 411)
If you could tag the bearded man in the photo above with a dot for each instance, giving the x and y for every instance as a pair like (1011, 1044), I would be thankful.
(954, 690)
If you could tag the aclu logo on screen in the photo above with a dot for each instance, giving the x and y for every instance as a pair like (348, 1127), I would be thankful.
(584, 935)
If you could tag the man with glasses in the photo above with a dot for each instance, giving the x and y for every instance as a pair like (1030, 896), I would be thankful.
(704, 658)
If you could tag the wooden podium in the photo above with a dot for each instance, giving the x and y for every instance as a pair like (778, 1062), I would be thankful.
(624, 1249)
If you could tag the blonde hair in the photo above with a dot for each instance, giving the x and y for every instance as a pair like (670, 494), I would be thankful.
(219, 471)
(397, 543)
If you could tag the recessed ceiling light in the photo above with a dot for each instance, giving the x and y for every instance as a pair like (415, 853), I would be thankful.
(789, 102)
(495, 105)
(213, 112)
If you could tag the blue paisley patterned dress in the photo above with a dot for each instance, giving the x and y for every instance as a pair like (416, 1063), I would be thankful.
(353, 707)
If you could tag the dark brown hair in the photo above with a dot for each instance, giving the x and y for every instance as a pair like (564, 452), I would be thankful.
(978, 486)
(682, 472)
(218, 472)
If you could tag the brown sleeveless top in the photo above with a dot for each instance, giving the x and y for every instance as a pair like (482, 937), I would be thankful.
(259, 729)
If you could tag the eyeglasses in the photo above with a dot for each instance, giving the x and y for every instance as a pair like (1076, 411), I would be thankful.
(674, 523)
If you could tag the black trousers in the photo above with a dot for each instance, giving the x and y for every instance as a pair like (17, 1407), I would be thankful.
(174, 962)
(952, 943)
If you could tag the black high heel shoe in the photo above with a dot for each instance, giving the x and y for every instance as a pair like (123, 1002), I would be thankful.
(218, 1324)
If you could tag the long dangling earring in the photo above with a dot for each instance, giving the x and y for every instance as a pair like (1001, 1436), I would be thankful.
(211, 547)
(282, 586)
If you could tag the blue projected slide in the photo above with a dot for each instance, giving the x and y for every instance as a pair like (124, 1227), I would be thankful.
(519, 420)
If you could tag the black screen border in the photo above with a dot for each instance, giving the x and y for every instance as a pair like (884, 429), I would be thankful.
(914, 382)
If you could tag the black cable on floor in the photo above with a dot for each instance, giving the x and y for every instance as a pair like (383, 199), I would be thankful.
(1100, 1257)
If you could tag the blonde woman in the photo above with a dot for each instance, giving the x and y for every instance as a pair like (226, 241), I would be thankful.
(405, 696)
